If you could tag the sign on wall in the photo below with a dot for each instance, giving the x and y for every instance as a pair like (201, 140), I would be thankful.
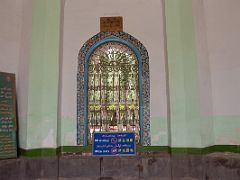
(114, 143)
(8, 125)
(111, 24)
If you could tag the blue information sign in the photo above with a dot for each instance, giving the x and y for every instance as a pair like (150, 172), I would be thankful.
(113, 143)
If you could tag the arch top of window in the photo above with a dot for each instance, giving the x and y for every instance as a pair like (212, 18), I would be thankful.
(84, 57)
(112, 54)
(112, 39)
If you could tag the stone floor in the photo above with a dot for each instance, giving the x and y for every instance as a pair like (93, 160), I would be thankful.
(149, 166)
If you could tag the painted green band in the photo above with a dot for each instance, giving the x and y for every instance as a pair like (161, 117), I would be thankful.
(75, 149)
(186, 150)
(162, 149)
(153, 148)
(38, 152)
(227, 148)
(207, 150)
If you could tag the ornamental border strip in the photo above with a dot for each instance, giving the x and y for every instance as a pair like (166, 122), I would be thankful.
(81, 83)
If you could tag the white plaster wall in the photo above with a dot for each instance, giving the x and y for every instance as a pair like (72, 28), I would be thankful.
(10, 31)
(204, 74)
(23, 70)
(218, 46)
(15, 45)
(223, 41)
(142, 19)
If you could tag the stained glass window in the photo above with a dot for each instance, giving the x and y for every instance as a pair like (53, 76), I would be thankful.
(113, 90)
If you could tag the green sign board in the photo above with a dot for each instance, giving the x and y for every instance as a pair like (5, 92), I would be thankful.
(8, 125)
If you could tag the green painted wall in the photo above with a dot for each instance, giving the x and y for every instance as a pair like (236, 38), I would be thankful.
(43, 75)
(207, 131)
(190, 128)
(187, 126)
(159, 131)
(68, 132)
(183, 81)
(227, 130)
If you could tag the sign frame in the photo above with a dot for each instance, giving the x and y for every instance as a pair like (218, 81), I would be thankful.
(11, 105)
(132, 135)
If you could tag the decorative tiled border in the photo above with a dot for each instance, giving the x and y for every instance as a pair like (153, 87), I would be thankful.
(126, 39)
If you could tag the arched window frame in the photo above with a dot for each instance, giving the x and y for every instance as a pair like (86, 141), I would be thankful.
(82, 82)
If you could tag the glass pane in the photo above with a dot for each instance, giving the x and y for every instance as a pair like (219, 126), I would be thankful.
(113, 90)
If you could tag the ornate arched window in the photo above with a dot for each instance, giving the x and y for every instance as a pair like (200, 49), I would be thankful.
(113, 87)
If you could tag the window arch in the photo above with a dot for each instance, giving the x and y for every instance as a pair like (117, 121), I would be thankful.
(102, 96)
